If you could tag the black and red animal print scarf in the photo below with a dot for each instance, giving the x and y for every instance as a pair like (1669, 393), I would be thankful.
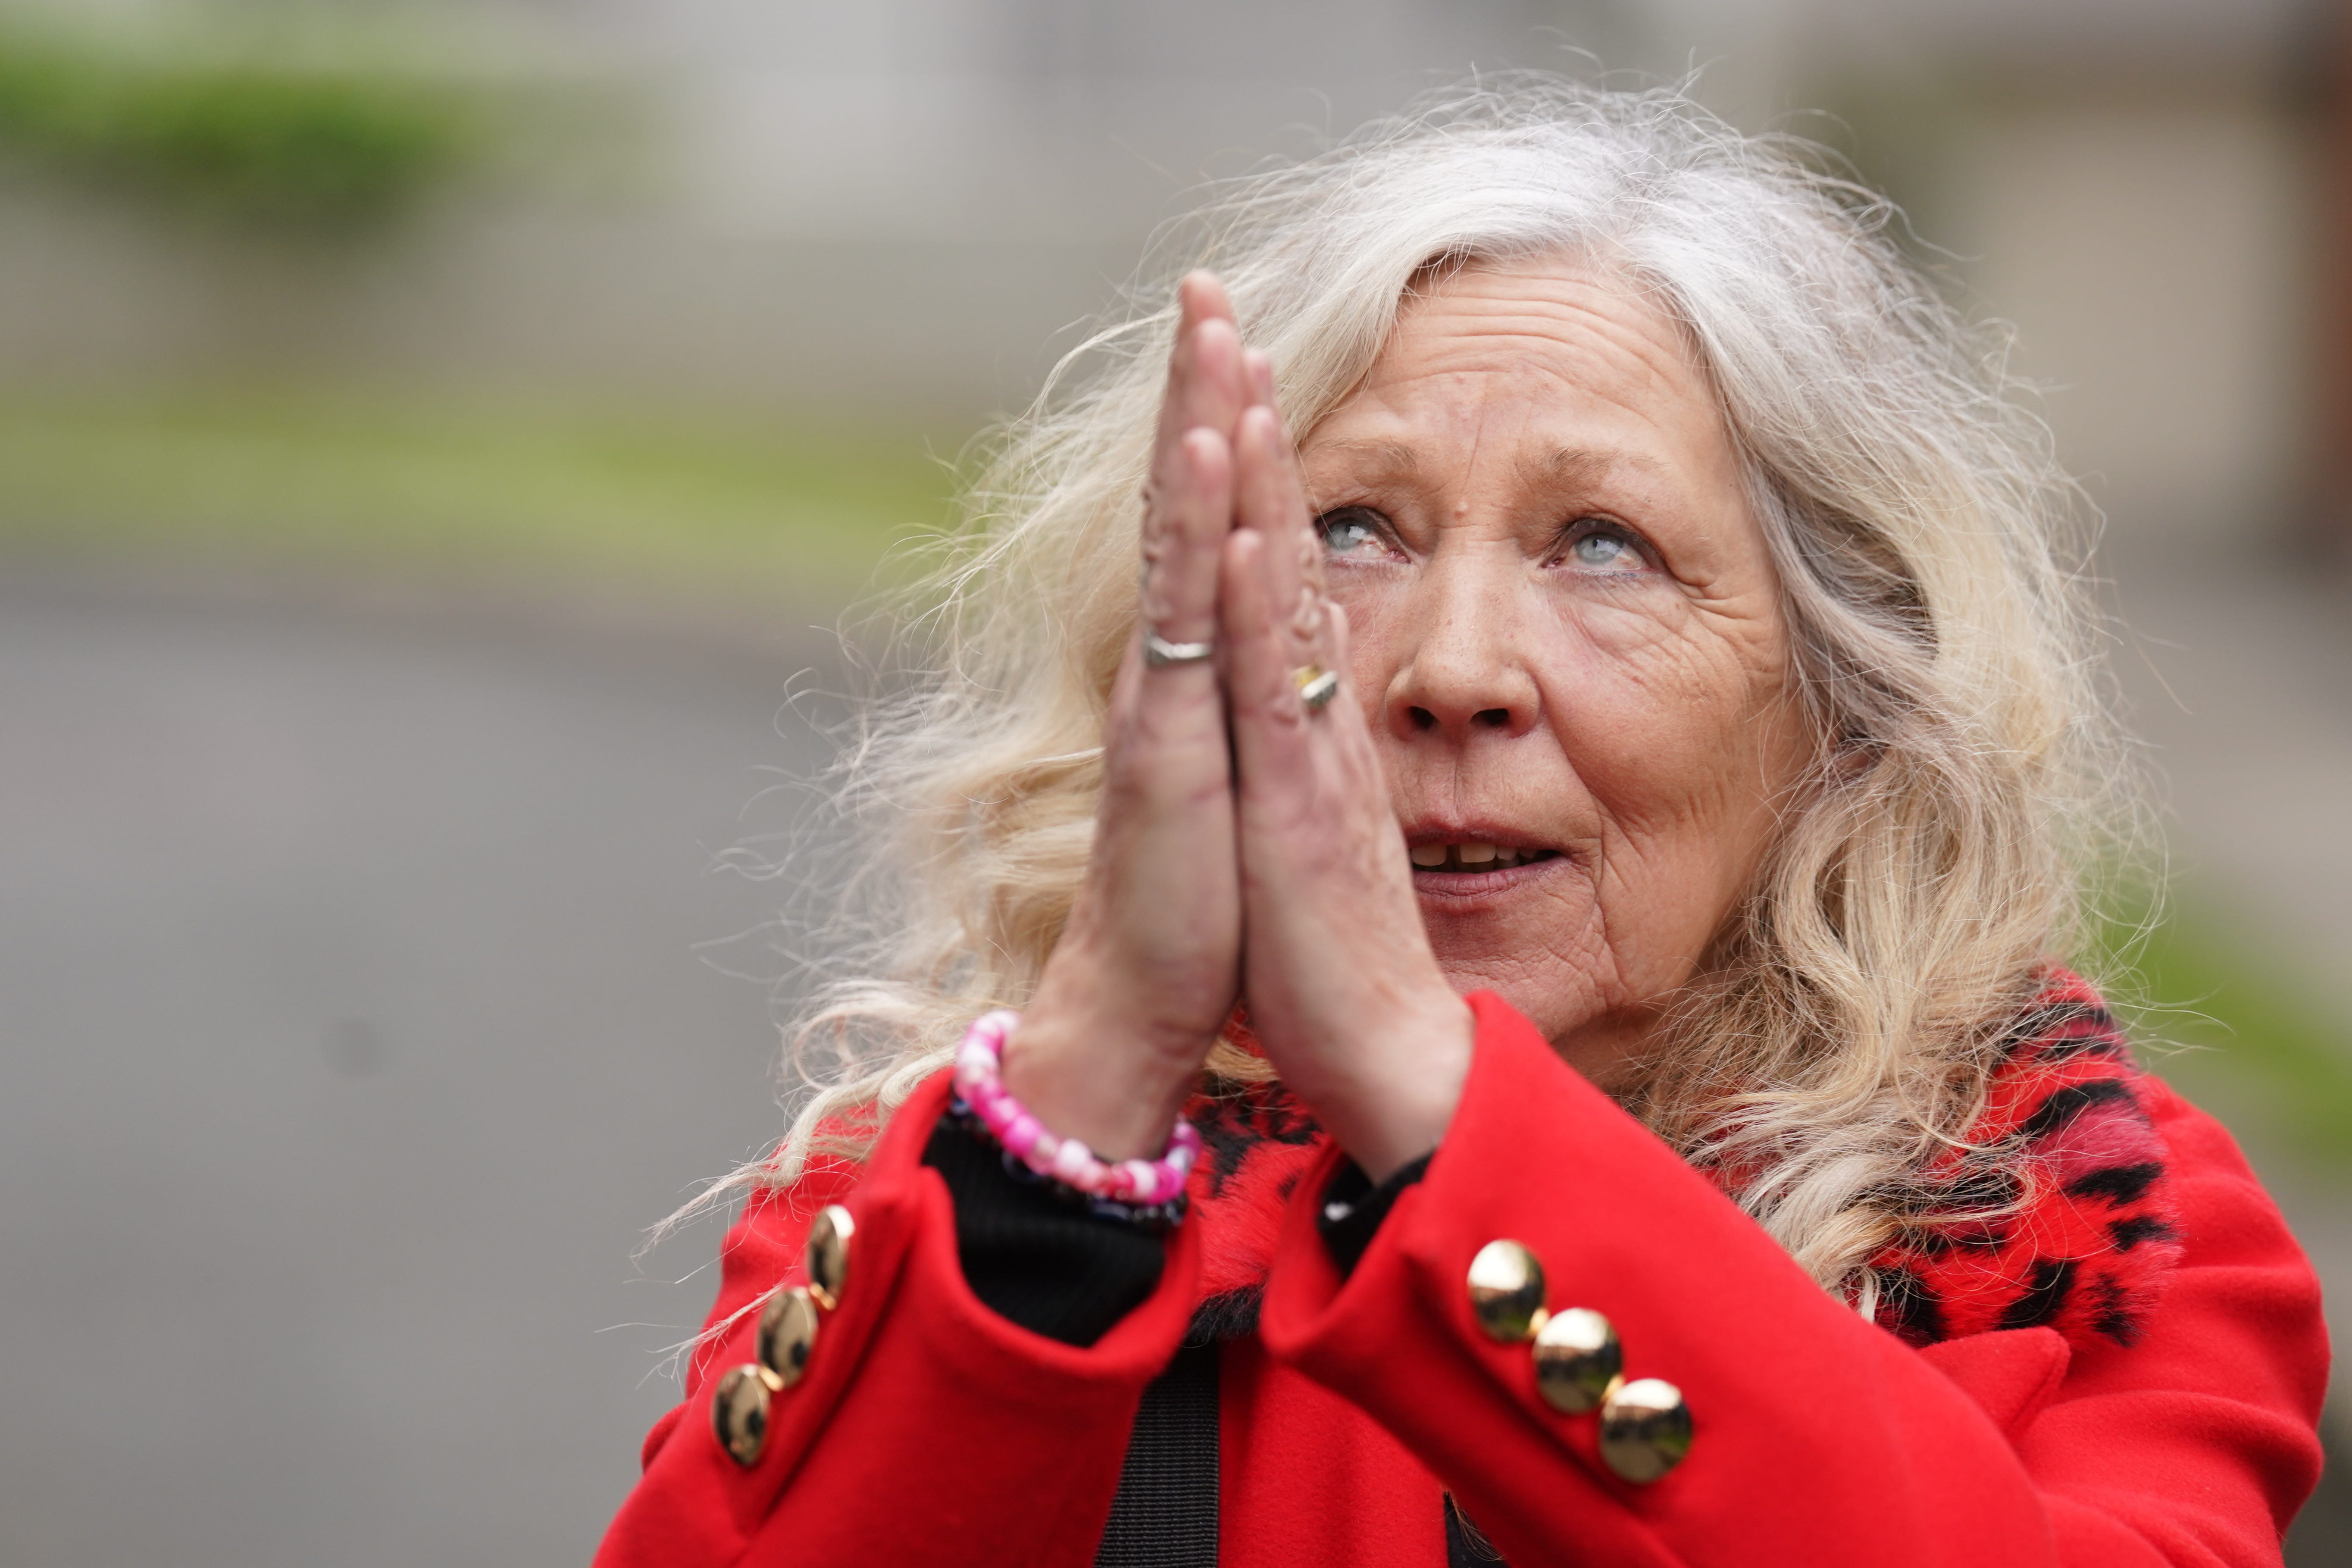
(2057, 1212)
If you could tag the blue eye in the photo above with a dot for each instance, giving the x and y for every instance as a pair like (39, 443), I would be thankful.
(1349, 530)
(1606, 551)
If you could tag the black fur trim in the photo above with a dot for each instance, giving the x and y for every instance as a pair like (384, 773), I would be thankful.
(2116, 1183)
(2131, 1233)
(1230, 1315)
(2042, 1028)
(2114, 1316)
(2053, 1278)
(2063, 1105)
(1918, 1316)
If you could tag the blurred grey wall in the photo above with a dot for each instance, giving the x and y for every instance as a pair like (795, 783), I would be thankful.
(903, 206)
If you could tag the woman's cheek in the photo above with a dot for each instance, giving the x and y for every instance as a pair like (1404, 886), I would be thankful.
(1660, 668)
(1684, 762)
(1372, 626)
(1651, 757)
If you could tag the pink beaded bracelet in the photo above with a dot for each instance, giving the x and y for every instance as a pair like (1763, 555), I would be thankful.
(979, 1081)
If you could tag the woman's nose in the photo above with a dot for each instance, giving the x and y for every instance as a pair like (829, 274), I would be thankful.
(1465, 670)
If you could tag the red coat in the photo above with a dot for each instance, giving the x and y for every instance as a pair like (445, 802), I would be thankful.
(928, 1429)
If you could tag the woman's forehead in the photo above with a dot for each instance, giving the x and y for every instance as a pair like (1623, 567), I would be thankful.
(1554, 358)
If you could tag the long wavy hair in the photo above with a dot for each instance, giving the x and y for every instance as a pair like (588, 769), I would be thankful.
(1852, 1009)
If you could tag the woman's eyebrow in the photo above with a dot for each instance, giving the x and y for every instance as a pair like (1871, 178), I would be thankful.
(1581, 466)
(1377, 460)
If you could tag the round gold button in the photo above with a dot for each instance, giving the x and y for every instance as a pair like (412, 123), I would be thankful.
(787, 1335)
(1646, 1429)
(827, 1255)
(1507, 1290)
(739, 1413)
(1578, 1360)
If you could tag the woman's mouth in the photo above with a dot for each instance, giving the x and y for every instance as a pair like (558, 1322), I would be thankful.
(1472, 858)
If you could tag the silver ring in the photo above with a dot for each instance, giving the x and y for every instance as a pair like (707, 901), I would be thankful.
(1158, 651)
(1316, 685)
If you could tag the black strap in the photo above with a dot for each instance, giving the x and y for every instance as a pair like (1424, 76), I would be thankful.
(1165, 1515)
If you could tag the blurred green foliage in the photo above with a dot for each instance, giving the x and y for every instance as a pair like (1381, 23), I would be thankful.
(2236, 1032)
(774, 508)
(291, 146)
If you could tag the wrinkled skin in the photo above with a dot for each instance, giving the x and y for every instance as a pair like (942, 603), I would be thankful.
(1568, 633)
(1529, 548)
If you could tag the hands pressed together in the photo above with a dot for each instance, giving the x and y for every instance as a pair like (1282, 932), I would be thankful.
(1245, 845)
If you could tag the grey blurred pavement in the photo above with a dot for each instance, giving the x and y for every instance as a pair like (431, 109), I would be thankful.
(352, 1028)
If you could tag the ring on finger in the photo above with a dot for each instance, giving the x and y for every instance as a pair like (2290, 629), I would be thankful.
(1159, 652)
(1316, 685)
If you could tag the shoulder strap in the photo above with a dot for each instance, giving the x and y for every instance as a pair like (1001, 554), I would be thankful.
(1165, 1515)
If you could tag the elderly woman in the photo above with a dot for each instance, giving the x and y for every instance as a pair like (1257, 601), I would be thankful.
(1538, 928)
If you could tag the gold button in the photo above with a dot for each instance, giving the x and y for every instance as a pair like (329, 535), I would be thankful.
(787, 1335)
(1646, 1429)
(739, 1413)
(827, 1256)
(1578, 1360)
(1507, 1291)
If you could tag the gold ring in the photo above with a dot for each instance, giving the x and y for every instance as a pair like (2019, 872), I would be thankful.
(1316, 685)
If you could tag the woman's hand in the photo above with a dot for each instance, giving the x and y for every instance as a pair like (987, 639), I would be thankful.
(1344, 991)
(1147, 971)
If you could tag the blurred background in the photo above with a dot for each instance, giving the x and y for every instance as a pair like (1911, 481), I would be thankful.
(435, 437)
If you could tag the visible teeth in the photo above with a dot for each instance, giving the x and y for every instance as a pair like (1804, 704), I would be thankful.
(1471, 857)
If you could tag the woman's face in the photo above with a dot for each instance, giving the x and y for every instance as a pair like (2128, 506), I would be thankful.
(1569, 636)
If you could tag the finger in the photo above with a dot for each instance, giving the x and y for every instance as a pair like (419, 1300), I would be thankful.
(1164, 737)
(1205, 390)
(1193, 516)
(1257, 374)
(1270, 499)
(1164, 740)
(1350, 725)
(1205, 381)
(1268, 718)
(1332, 655)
